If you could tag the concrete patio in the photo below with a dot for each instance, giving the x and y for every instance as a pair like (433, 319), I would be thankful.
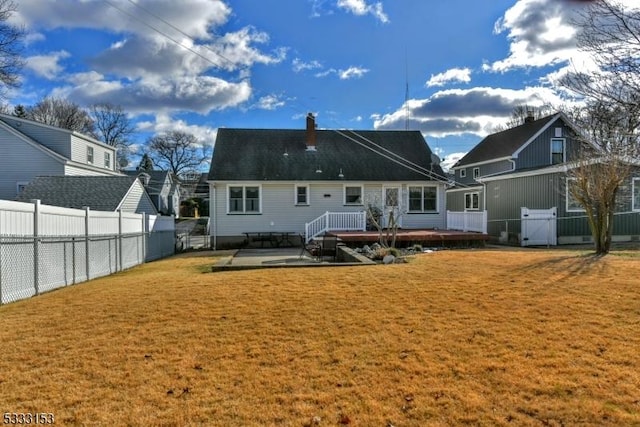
(246, 259)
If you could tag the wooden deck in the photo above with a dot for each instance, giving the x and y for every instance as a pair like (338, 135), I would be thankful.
(433, 237)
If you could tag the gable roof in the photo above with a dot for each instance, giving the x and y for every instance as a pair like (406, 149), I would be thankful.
(102, 193)
(508, 143)
(157, 179)
(282, 155)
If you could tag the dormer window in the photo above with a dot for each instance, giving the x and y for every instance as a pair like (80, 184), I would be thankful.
(557, 151)
(463, 173)
(90, 155)
(107, 160)
(476, 173)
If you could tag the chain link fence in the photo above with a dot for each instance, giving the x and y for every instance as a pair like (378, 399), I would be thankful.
(32, 265)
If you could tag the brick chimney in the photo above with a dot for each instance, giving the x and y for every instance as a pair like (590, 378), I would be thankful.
(311, 132)
(530, 117)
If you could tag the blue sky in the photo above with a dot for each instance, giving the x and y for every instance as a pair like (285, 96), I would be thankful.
(198, 65)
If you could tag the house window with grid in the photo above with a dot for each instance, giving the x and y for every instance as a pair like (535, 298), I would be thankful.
(244, 199)
(353, 195)
(107, 160)
(557, 151)
(471, 201)
(423, 199)
(302, 195)
(90, 155)
(636, 194)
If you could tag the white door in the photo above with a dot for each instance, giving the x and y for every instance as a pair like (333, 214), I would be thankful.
(538, 227)
(392, 204)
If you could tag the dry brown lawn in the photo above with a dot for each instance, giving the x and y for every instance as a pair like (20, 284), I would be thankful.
(476, 337)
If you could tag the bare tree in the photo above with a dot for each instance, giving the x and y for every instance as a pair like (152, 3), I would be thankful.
(522, 113)
(63, 114)
(11, 61)
(610, 121)
(113, 127)
(178, 152)
(602, 166)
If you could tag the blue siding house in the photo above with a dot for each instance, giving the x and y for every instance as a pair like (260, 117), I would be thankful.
(519, 177)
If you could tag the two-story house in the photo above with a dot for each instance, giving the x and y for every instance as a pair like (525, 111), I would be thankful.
(29, 149)
(519, 177)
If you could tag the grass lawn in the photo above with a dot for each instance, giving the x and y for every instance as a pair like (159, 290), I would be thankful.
(477, 337)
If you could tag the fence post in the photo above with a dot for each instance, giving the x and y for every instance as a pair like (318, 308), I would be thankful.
(36, 258)
(86, 241)
(119, 241)
(144, 237)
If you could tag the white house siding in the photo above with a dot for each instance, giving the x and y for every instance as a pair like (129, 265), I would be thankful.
(72, 169)
(138, 201)
(279, 212)
(79, 152)
(21, 162)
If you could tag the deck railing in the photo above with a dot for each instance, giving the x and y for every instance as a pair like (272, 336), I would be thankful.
(336, 221)
(467, 221)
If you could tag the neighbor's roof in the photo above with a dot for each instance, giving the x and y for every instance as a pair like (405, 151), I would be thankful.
(505, 143)
(156, 179)
(102, 193)
(282, 155)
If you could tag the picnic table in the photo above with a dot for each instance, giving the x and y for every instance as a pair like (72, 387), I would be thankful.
(275, 239)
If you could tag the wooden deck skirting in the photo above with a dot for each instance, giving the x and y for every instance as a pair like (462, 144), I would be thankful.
(415, 236)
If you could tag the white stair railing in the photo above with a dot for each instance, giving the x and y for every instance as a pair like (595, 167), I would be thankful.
(336, 221)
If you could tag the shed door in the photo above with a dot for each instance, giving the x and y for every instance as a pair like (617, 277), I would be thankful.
(539, 227)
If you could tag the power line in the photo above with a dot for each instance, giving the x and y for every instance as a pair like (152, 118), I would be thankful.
(190, 37)
(146, 24)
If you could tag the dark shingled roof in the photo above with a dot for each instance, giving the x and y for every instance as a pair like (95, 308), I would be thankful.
(156, 179)
(505, 143)
(282, 155)
(101, 193)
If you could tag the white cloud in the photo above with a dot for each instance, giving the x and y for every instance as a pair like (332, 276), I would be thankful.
(270, 102)
(361, 8)
(352, 73)
(47, 66)
(465, 111)
(299, 65)
(462, 75)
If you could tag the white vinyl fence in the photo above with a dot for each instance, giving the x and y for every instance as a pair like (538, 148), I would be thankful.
(46, 247)
(467, 221)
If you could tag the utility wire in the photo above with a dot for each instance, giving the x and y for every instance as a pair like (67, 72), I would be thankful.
(190, 37)
(167, 36)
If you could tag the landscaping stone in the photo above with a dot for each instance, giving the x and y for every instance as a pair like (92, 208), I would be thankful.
(388, 259)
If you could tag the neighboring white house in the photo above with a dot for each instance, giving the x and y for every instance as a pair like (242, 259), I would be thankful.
(163, 188)
(29, 149)
(279, 180)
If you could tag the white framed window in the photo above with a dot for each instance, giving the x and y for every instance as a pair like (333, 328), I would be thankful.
(463, 173)
(20, 186)
(301, 196)
(572, 205)
(423, 199)
(244, 199)
(353, 194)
(90, 155)
(107, 160)
(471, 201)
(557, 151)
(476, 173)
(635, 194)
